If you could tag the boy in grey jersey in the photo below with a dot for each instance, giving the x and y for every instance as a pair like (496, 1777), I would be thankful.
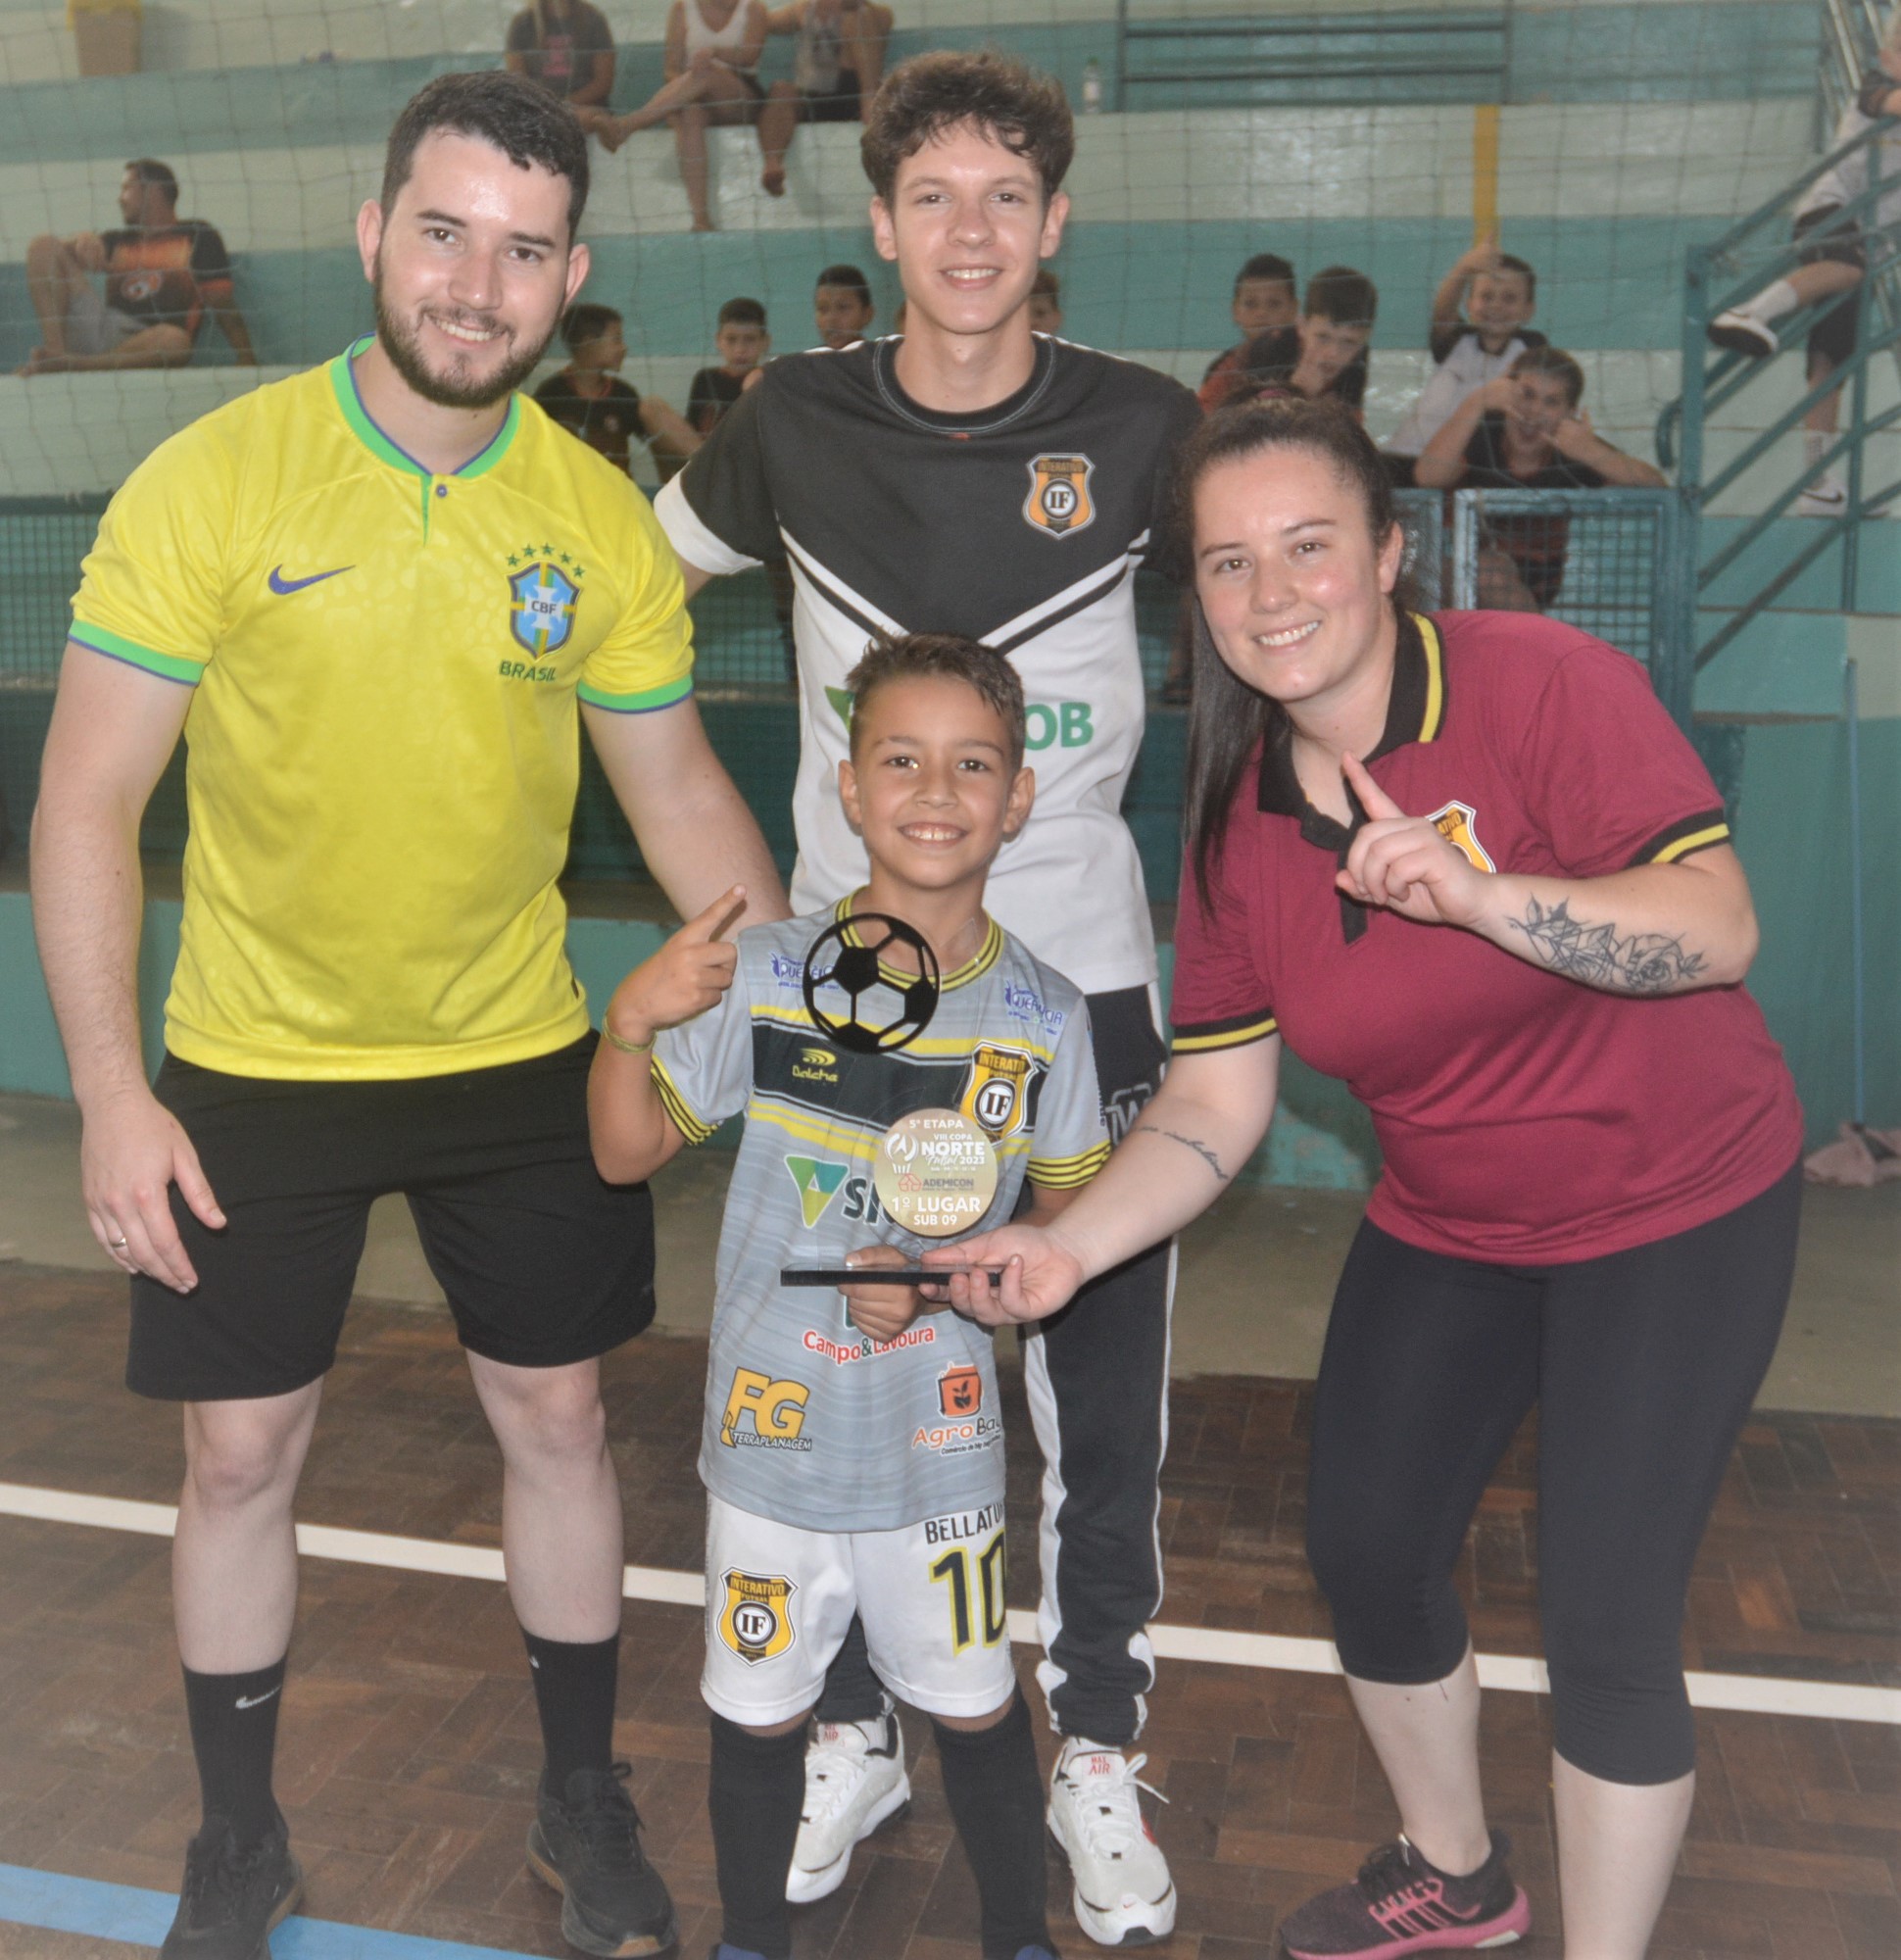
(851, 1451)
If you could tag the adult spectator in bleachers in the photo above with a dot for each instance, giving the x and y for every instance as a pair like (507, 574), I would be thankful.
(837, 63)
(567, 47)
(712, 63)
(1527, 431)
(742, 343)
(1479, 329)
(1322, 354)
(159, 276)
(1835, 257)
(371, 992)
(590, 401)
(1265, 298)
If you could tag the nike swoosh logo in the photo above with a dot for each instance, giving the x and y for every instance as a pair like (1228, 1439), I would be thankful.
(255, 1700)
(280, 585)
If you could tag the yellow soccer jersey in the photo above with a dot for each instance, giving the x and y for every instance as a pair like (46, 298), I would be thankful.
(383, 749)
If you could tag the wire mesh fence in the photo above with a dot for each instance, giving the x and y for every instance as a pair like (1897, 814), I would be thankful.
(1605, 561)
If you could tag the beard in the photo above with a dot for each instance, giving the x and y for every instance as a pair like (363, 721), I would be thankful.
(457, 388)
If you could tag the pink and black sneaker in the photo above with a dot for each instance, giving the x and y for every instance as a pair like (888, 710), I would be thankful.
(1401, 1904)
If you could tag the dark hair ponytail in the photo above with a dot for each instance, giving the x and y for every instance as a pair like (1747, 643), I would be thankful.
(1228, 720)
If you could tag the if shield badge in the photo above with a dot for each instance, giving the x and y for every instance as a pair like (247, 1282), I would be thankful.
(1060, 500)
(997, 1092)
(756, 1614)
(541, 608)
(1456, 822)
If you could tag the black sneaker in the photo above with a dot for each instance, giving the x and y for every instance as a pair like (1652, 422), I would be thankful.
(230, 1899)
(1400, 1904)
(587, 1847)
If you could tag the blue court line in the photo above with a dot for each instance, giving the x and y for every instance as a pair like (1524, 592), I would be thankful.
(62, 1904)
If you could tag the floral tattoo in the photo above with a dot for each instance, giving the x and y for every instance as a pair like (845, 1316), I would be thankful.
(1641, 962)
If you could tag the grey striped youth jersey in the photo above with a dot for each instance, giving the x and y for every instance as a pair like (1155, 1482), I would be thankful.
(807, 1421)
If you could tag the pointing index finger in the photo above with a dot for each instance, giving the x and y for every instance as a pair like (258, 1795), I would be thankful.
(712, 923)
(1373, 799)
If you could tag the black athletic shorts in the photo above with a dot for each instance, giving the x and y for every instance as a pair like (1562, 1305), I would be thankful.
(1824, 238)
(542, 1264)
(832, 105)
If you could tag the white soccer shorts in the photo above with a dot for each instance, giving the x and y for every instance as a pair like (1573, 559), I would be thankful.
(779, 1599)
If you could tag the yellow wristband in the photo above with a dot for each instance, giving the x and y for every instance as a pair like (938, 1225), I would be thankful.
(626, 1046)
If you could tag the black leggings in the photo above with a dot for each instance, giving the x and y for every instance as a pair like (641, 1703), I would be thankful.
(1644, 1365)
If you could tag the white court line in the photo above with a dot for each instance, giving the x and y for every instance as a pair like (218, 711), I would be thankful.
(1757, 1694)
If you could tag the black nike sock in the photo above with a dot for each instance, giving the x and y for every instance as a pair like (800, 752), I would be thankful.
(234, 1736)
(574, 1692)
(994, 1791)
(853, 1692)
(756, 1791)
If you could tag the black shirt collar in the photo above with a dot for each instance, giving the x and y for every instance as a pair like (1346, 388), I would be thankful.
(1415, 712)
(983, 421)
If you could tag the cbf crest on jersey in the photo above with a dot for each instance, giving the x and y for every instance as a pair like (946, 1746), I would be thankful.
(1059, 501)
(542, 602)
(1456, 822)
(756, 1614)
(996, 1093)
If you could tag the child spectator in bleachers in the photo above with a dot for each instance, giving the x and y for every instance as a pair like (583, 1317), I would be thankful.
(741, 342)
(1265, 298)
(841, 307)
(588, 400)
(1046, 303)
(567, 46)
(1323, 352)
(837, 65)
(160, 276)
(1835, 257)
(1527, 431)
(1479, 329)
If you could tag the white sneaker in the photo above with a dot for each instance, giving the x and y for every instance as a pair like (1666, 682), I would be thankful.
(854, 1779)
(1743, 334)
(1124, 1895)
(1826, 497)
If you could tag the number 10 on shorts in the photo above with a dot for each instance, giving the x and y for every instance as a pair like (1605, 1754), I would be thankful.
(984, 1589)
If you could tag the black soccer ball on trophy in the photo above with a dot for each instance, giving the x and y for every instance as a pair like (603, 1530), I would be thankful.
(889, 1009)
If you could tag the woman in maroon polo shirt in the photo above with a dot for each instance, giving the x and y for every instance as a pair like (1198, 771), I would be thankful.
(1468, 864)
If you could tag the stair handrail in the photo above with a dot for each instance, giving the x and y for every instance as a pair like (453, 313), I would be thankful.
(1709, 384)
(1851, 34)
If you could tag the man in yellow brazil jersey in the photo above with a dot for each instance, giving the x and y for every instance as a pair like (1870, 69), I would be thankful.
(376, 597)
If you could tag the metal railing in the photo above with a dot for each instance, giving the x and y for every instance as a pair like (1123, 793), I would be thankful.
(1370, 56)
(1609, 562)
(1750, 255)
(1851, 32)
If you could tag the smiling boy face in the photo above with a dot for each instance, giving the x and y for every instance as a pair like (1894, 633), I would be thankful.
(932, 785)
(1498, 304)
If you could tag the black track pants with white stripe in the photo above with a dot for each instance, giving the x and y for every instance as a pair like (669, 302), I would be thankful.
(1097, 1381)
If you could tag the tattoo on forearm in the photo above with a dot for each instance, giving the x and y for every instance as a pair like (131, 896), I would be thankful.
(1640, 962)
(1199, 1148)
